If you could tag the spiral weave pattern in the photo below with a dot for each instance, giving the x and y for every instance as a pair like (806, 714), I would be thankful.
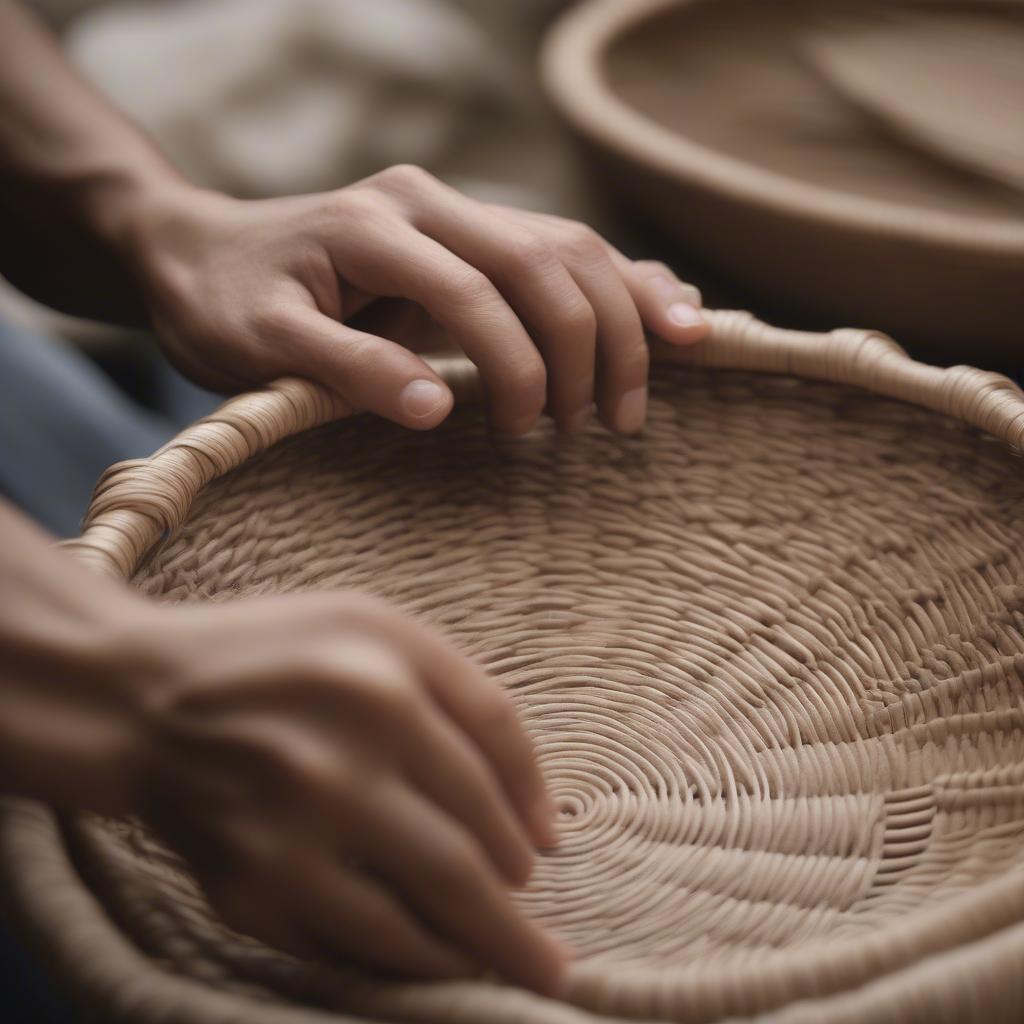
(770, 652)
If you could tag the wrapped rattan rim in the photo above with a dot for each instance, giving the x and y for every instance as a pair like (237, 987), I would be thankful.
(571, 65)
(138, 503)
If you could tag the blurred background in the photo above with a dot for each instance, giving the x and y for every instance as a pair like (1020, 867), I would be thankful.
(272, 97)
(819, 162)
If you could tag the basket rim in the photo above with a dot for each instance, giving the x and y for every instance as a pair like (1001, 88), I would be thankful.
(572, 72)
(138, 503)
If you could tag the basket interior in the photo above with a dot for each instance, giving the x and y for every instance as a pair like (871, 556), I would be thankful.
(769, 652)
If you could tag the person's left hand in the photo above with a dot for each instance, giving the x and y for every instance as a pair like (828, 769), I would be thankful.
(553, 316)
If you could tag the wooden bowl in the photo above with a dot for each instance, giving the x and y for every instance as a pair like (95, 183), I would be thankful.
(712, 119)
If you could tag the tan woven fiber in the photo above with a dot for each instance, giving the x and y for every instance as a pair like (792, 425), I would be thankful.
(770, 652)
(844, 159)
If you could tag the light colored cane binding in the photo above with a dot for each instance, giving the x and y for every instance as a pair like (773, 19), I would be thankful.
(136, 502)
(770, 652)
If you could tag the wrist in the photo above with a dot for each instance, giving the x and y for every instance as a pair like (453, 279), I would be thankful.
(120, 207)
(136, 666)
(160, 231)
(75, 704)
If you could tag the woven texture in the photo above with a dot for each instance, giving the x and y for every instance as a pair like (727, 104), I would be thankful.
(770, 652)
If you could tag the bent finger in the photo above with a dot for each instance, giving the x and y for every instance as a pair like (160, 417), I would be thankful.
(446, 767)
(538, 287)
(354, 915)
(443, 873)
(481, 709)
(404, 263)
(368, 371)
(669, 308)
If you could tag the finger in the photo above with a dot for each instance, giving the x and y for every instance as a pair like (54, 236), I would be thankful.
(368, 371)
(484, 712)
(241, 909)
(535, 282)
(475, 703)
(623, 357)
(404, 263)
(444, 875)
(355, 916)
(669, 308)
(446, 767)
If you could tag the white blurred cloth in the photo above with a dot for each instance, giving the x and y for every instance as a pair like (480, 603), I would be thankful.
(266, 97)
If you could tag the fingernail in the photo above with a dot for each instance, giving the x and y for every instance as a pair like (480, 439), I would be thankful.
(420, 398)
(578, 420)
(629, 417)
(685, 315)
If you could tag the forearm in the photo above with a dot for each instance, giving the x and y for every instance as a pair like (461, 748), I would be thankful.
(73, 171)
(67, 712)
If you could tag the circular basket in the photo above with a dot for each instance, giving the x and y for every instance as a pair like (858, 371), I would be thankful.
(709, 116)
(770, 652)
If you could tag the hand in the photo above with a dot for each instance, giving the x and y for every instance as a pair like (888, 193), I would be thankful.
(343, 783)
(554, 317)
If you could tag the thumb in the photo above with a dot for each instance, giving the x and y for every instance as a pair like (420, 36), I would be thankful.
(370, 372)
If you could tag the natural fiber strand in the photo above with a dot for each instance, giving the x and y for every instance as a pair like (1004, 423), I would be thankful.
(770, 652)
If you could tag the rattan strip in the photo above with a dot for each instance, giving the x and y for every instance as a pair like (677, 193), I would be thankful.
(138, 502)
(920, 964)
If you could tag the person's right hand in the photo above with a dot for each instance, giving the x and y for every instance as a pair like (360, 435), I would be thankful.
(343, 783)
(553, 316)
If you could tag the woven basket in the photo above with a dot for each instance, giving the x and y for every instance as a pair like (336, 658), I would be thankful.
(770, 652)
(713, 118)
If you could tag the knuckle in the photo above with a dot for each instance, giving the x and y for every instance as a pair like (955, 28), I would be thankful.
(405, 178)
(653, 268)
(311, 771)
(633, 359)
(397, 697)
(348, 204)
(452, 877)
(360, 207)
(466, 286)
(381, 684)
(270, 320)
(527, 378)
(583, 244)
(579, 320)
(284, 766)
(284, 763)
(497, 715)
(368, 677)
(530, 252)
